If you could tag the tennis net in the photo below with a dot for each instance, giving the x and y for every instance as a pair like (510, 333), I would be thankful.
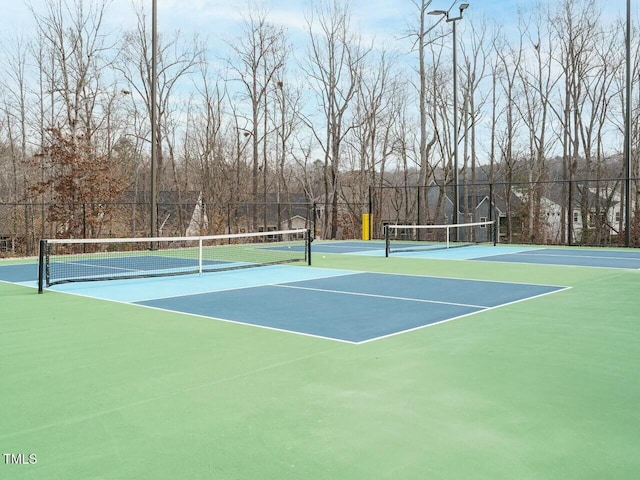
(83, 260)
(415, 238)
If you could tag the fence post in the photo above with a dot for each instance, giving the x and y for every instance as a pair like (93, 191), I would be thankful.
(84, 222)
(570, 214)
(366, 228)
(26, 230)
(496, 223)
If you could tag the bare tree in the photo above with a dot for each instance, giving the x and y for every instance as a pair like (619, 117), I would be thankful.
(372, 141)
(510, 58)
(475, 55)
(176, 60)
(76, 57)
(575, 25)
(80, 54)
(538, 81)
(260, 56)
(287, 125)
(14, 120)
(205, 138)
(334, 67)
(428, 93)
(597, 200)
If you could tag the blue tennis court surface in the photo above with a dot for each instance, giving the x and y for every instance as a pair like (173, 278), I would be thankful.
(366, 247)
(570, 257)
(341, 305)
(20, 273)
(134, 265)
(582, 257)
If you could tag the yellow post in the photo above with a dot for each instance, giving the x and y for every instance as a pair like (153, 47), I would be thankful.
(366, 229)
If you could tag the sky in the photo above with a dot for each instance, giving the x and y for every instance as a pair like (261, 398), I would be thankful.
(384, 21)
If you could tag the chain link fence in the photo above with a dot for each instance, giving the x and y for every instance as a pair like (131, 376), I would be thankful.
(22, 225)
(578, 212)
(572, 212)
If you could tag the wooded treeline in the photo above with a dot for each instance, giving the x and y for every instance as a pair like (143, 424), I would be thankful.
(341, 115)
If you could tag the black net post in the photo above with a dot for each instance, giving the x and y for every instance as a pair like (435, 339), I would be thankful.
(308, 246)
(41, 265)
(386, 240)
(314, 216)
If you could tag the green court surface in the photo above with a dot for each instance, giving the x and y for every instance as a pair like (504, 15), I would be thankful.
(542, 389)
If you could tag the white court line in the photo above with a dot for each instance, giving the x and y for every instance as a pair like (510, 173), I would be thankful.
(480, 309)
(198, 315)
(461, 316)
(552, 265)
(509, 250)
(576, 256)
(408, 299)
(508, 282)
(247, 324)
(243, 287)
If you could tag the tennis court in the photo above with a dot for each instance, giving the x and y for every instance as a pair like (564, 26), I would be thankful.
(349, 306)
(526, 370)
(567, 256)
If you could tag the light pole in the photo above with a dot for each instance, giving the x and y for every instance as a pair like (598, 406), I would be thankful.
(456, 186)
(627, 134)
(154, 122)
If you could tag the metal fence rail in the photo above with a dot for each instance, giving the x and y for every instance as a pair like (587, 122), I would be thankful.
(571, 212)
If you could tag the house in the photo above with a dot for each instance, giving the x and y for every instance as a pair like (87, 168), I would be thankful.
(593, 213)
